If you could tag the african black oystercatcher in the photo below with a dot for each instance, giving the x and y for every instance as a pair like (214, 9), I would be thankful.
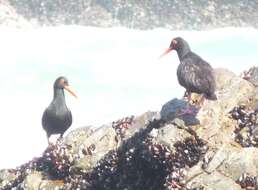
(193, 73)
(57, 118)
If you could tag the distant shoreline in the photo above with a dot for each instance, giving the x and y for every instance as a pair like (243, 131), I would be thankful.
(146, 14)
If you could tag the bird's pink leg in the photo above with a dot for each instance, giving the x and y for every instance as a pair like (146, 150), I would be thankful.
(187, 110)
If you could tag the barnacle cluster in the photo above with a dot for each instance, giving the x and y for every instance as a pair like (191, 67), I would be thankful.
(246, 132)
(248, 182)
(141, 162)
(55, 163)
(121, 125)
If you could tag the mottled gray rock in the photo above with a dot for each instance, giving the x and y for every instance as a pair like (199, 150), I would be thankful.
(140, 122)
(213, 116)
(241, 161)
(32, 181)
(220, 156)
(6, 176)
(77, 136)
(253, 75)
(169, 134)
(214, 181)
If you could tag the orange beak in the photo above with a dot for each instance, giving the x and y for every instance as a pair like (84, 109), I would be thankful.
(166, 52)
(68, 88)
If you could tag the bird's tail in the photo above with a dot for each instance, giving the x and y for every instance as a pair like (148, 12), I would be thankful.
(211, 96)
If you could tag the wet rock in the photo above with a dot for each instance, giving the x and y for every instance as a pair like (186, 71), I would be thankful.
(174, 109)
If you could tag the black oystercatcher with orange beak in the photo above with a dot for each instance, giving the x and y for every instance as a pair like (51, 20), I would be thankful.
(57, 118)
(193, 73)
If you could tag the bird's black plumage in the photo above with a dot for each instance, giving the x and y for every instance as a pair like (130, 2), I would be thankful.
(193, 73)
(57, 118)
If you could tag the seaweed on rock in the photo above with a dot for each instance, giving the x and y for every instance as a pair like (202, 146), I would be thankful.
(139, 163)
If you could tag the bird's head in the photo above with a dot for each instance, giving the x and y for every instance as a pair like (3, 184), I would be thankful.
(177, 44)
(62, 83)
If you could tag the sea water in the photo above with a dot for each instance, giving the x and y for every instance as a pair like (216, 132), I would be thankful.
(114, 71)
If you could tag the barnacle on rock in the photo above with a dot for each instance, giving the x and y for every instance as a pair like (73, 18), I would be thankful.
(247, 181)
(246, 132)
(140, 162)
(121, 125)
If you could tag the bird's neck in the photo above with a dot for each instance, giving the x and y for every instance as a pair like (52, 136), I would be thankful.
(183, 51)
(59, 96)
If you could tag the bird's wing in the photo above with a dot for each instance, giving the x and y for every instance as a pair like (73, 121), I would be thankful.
(69, 119)
(47, 117)
(199, 74)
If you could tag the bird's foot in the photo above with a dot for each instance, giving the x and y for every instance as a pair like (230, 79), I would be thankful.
(59, 140)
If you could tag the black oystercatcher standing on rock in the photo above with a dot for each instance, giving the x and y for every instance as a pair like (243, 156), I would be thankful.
(193, 73)
(57, 118)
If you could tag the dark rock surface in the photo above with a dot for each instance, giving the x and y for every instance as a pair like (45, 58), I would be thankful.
(148, 152)
(144, 14)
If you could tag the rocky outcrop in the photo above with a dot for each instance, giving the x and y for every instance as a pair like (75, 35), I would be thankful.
(144, 14)
(157, 150)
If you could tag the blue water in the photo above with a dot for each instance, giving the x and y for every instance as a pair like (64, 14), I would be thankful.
(115, 73)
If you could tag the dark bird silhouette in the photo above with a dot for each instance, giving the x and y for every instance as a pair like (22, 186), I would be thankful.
(57, 118)
(193, 73)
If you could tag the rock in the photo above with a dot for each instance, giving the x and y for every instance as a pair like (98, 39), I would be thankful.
(220, 156)
(32, 181)
(223, 78)
(51, 185)
(153, 151)
(173, 109)
(232, 90)
(103, 140)
(239, 162)
(214, 181)
(169, 134)
(140, 122)
(6, 176)
(253, 75)
(76, 137)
